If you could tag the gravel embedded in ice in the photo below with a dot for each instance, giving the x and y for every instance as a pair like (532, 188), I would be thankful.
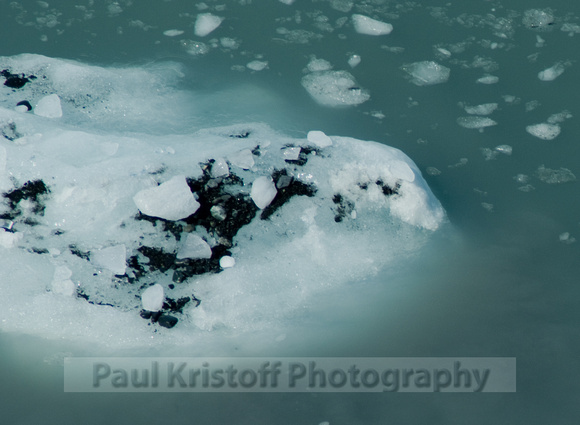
(257, 65)
(152, 298)
(334, 88)
(49, 107)
(474, 122)
(483, 109)
(263, 191)
(552, 73)
(206, 23)
(113, 258)
(194, 247)
(544, 131)
(171, 200)
(427, 73)
(227, 262)
(318, 138)
(365, 25)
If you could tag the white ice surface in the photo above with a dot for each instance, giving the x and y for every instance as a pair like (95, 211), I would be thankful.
(152, 298)
(95, 164)
(49, 107)
(334, 88)
(427, 73)
(365, 25)
(544, 131)
(263, 191)
(206, 23)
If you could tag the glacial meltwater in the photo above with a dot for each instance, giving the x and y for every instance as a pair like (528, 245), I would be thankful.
(289, 179)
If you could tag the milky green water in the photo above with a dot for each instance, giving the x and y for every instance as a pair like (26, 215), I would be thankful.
(494, 283)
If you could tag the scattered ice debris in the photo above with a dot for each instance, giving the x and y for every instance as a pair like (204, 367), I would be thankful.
(488, 79)
(195, 48)
(172, 33)
(171, 200)
(334, 88)
(475, 122)
(257, 65)
(193, 247)
(152, 298)
(263, 191)
(316, 64)
(483, 109)
(489, 154)
(319, 139)
(287, 2)
(427, 73)
(354, 60)
(570, 28)
(567, 238)
(113, 258)
(229, 43)
(551, 176)
(531, 105)
(559, 117)
(526, 188)
(432, 171)
(538, 19)
(227, 262)
(461, 163)
(540, 42)
(487, 206)
(544, 131)
(553, 72)
(505, 149)
(206, 23)
(49, 107)
(219, 168)
(522, 178)
(365, 25)
(510, 98)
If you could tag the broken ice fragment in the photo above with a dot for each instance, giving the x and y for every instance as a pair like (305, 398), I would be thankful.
(291, 153)
(152, 298)
(334, 88)
(171, 200)
(220, 168)
(206, 23)
(475, 122)
(49, 107)
(194, 247)
(263, 191)
(318, 138)
(365, 25)
(113, 258)
(483, 109)
(544, 131)
(243, 159)
(226, 262)
(552, 73)
(427, 73)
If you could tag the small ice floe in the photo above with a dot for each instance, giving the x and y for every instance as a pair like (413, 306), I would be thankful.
(483, 109)
(475, 122)
(427, 73)
(194, 247)
(257, 65)
(354, 60)
(334, 88)
(544, 131)
(319, 139)
(263, 191)
(487, 79)
(567, 238)
(206, 23)
(550, 74)
(365, 25)
(172, 33)
(487, 206)
(220, 168)
(538, 19)
(243, 159)
(49, 107)
(113, 258)
(552, 176)
(171, 200)
(152, 298)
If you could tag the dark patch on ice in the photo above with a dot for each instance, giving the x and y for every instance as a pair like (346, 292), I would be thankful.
(84, 296)
(241, 135)
(303, 157)
(75, 251)
(9, 131)
(16, 81)
(288, 187)
(344, 207)
(167, 321)
(388, 190)
(33, 191)
(25, 103)
(256, 151)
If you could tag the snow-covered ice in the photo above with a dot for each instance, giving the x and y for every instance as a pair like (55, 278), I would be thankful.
(483, 109)
(427, 73)
(113, 258)
(544, 131)
(365, 25)
(318, 138)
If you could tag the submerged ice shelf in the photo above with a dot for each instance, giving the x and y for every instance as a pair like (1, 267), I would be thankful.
(230, 227)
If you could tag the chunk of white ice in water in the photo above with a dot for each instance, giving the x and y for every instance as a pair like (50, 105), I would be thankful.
(206, 23)
(365, 25)
(334, 88)
(152, 298)
(263, 191)
(318, 138)
(483, 109)
(287, 2)
(220, 168)
(257, 65)
(544, 131)
(317, 64)
(172, 33)
(113, 258)
(194, 247)
(49, 107)
(488, 79)
(427, 73)
(226, 262)
(552, 73)
(475, 122)
(171, 200)
(354, 60)
(243, 159)
(538, 19)
(550, 176)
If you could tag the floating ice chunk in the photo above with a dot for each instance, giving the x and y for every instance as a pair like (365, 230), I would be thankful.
(292, 153)
(570, 28)
(566, 238)
(488, 79)
(263, 191)
(243, 159)
(206, 23)
(226, 262)
(49, 107)
(229, 43)
(505, 149)
(559, 117)
(544, 131)
(552, 73)
(172, 33)
(475, 122)
(195, 48)
(538, 19)
(152, 298)
(365, 25)
(194, 247)
(171, 200)
(432, 171)
(354, 60)
(257, 65)
(220, 168)
(334, 88)
(483, 109)
(113, 258)
(487, 206)
(427, 73)
(550, 176)
(318, 138)
(317, 64)
(9, 239)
